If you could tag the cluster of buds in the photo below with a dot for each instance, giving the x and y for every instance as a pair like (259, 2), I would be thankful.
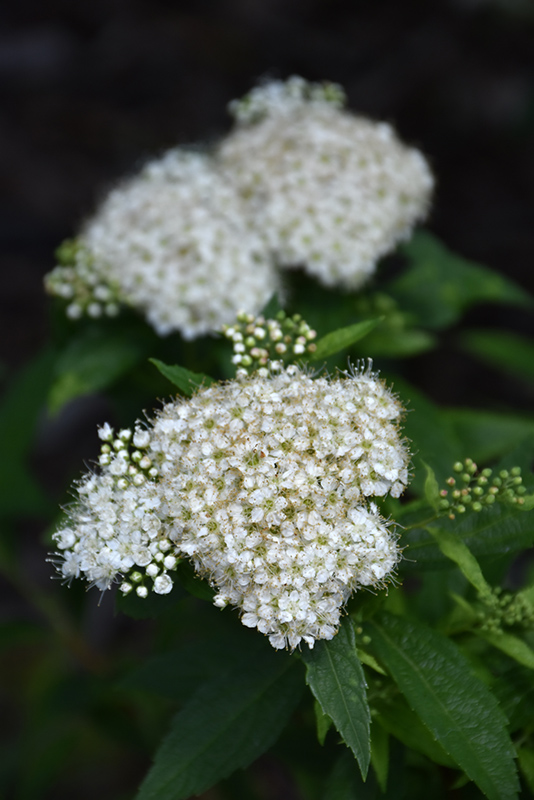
(502, 609)
(268, 345)
(475, 490)
(76, 280)
(126, 465)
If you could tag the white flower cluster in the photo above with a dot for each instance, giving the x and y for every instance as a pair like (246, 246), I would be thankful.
(196, 237)
(265, 484)
(117, 526)
(176, 242)
(332, 192)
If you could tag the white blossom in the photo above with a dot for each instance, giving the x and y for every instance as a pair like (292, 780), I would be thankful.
(174, 243)
(265, 483)
(330, 191)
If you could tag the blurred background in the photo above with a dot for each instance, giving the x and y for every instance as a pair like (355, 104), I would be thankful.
(89, 90)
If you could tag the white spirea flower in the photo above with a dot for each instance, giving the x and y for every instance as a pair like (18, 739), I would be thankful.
(176, 245)
(331, 191)
(264, 483)
(266, 480)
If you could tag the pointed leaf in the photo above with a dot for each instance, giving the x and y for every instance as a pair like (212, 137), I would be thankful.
(438, 285)
(512, 645)
(226, 725)
(94, 361)
(455, 549)
(380, 754)
(336, 678)
(186, 381)
(342, 338)
(458, 709)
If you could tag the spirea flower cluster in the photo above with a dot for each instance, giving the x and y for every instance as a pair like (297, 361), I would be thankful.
(195, 237)
(331, 191)
(265, 483)
(177, 243)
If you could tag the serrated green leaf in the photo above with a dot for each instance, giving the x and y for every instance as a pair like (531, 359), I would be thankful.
(438, 285)
(323, 722)
(339, 340)
(455, 549)
(186, 381)
(225, 726)
(458, 709)
(336, 678)
(431, 487)
(92, 362)
(486, 435)
(512, 645)
(503, 350)
(495, 531)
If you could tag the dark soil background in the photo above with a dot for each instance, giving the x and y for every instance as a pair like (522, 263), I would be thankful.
(90, 89)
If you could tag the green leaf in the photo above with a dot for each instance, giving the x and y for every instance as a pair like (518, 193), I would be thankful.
(338, 340)
(486, 435)
(227, 724)
(323, 722)
(512, 645)
(504, 350)
(514, 690)
(495, 531)
(431, 487)
(186, 381)
(336, 678)
(390, 341)
(455, 549)
(433, 440)
(94, 361)
(398, 719)
(458, 709)
(526, 765)
(438, 285)
(380, 754)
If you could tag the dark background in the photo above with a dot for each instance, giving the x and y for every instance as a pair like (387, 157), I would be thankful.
(89, 90)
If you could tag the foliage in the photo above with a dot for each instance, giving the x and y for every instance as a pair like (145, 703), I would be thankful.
(428, 685)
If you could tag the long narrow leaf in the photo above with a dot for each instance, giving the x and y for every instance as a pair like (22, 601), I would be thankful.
(342, 338)
(335, 676)
(458, 709)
